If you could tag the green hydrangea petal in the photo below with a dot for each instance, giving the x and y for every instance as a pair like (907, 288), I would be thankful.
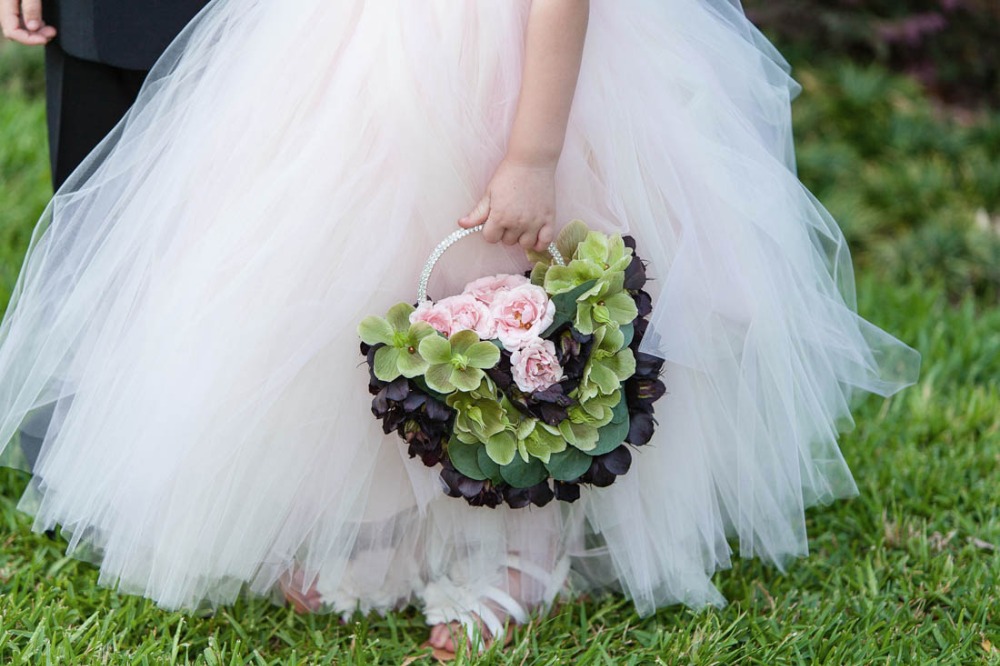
(462, 341)
(483, 355)
(621, 308)
(438, 377)
(467, 379)
(502, 447)
(435, 349)
(399, 316)
(410, 364)
(375, 330)
(387, 363)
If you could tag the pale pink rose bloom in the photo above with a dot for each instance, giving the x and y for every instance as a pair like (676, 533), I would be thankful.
(535, 366)
(521, 314)
(439, 318)
(485, 289)
(469, 313)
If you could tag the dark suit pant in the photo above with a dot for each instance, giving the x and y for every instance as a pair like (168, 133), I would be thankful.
(85, 100)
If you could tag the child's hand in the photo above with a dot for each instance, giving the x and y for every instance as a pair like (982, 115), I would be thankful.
(518, 207)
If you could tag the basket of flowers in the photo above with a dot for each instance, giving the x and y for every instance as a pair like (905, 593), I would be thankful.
(522, 388)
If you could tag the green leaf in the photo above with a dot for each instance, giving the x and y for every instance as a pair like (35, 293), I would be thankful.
(375, 330)
(524, 475)
(399, 316)
(566, 306)
(570, 236)
(488, 466)
(435, 349)
(501, 448)
(538, 273)
(613, 434)
(568, 465)
(483, 355)
(386, 363)
(465, 458)
(628, 333)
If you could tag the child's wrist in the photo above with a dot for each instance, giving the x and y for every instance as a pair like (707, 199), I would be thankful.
(535, 157)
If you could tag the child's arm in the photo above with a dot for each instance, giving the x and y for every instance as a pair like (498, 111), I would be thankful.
(519, 203)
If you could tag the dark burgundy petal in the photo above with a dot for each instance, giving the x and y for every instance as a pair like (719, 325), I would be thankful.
(635, 274)
(567, 492)
(647, 365)
(643, 303)
(397, 389)
(617, 461)
(517, 498)
(629, 241)
(437, 410)
(598, 475)
(640, 428)
(541, 494)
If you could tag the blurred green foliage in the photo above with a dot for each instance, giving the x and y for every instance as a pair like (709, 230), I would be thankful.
(952, 46)
(916, 193)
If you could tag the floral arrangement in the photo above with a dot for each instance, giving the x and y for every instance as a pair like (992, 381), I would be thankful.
(523, 387)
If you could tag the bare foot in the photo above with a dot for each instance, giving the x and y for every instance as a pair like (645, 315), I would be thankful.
(444, 637)
(291, 587)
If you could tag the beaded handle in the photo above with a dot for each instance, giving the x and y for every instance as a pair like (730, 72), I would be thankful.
(425, 275)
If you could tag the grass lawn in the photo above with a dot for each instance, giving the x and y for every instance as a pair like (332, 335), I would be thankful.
(907, 573)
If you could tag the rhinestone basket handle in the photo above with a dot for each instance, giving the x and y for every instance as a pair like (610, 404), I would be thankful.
(432, 260)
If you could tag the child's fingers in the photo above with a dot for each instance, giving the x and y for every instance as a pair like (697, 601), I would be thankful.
(510, 236)
(545, 236)
(477, 215)
(493, 231)
(528, 240)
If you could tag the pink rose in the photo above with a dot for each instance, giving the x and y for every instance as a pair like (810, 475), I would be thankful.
(535, 366)
(521, 313)
(468, 313)
(485, 289)
(438, 317)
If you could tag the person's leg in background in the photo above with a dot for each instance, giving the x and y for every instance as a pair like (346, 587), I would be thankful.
(84, 101)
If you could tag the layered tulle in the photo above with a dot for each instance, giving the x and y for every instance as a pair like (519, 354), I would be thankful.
(179, 365)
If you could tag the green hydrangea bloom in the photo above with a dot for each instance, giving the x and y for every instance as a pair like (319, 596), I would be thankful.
(606, 303)
(529, 437)
(457, 363)
(586, 418)
(479, 416)
(610, 364)
(401, 353)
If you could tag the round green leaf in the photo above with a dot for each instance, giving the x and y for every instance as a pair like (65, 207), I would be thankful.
(569, 464)
(465, 458)
(613, 434)
(524, 475)
(488, 467)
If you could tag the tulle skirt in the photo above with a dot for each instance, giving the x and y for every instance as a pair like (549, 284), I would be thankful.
(179, 364)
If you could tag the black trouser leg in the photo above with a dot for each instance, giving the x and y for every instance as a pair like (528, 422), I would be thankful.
(84, 100)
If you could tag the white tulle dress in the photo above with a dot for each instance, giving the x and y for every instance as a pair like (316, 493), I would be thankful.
(179, 363)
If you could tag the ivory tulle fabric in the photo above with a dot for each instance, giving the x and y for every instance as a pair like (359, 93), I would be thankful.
(181, 349)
